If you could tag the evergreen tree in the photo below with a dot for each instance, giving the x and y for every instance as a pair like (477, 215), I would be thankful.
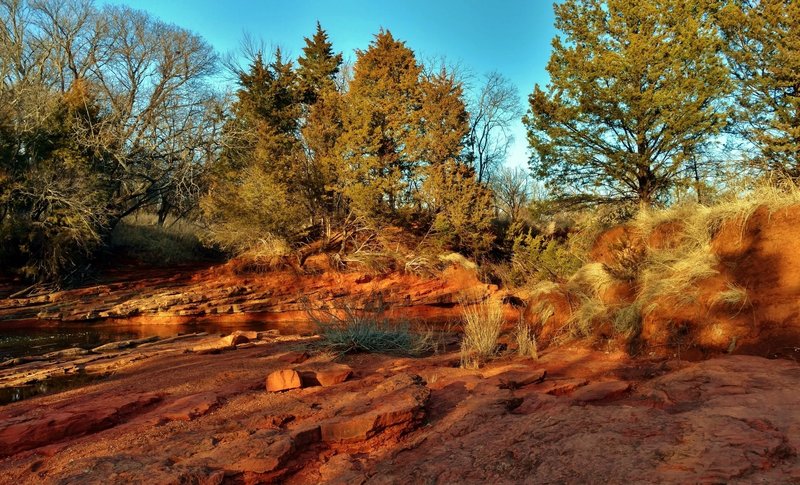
(318, 66)
(464, 208)
(636, 90)
(379, 128)
(763, 48)
(322, 126)
(258, 189)
(443, 119)
(459, 206)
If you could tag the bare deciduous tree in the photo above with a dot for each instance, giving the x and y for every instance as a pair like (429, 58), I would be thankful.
(492, 111)
(513, 191)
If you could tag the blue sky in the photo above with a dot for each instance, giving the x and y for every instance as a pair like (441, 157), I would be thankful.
(509, 36)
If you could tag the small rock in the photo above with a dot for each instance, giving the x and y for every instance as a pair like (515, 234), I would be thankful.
(223, 343)
(60, 354)
(517, 379)
(268, 334)
(123, 344)
(562, 386)
(283, 380)
(190, 407)
(235, 338)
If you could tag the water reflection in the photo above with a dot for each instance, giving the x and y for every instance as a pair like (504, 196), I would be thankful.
(50, 385)
(37, 340)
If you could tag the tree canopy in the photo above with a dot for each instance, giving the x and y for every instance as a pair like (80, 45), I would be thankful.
(635, 91)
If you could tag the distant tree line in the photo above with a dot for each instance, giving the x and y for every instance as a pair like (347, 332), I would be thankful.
(107, 111)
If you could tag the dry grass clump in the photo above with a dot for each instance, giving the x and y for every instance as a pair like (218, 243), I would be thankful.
(667, 274)
(589, 312)
(734, 297)
(483, 321)
(349, 329)
(703, 221)
(526, 340)
(591, 279)
(267, 254)
(673, 275)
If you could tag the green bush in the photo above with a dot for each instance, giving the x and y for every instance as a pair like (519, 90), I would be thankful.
(348, 329)
(540, 258)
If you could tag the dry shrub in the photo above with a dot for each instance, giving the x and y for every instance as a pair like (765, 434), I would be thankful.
(669, 275)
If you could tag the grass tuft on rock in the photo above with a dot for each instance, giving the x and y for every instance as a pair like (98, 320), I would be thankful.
(348, 329)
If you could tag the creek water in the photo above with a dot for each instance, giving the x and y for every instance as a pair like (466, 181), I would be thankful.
(37, 339)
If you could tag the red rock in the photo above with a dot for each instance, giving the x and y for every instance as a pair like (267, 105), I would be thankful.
(535, 402)
(283, 380)
(517, 379)
(600, 391)
(235, 338)
(401, 407)
(267, 460)
(20, 434)
(247, 334)
(223, 343)
(561, 386)
(324, 374)
(294, 357)
(190, 407)
(305, 436)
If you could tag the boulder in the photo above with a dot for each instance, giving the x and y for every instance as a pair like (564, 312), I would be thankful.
(283, 380)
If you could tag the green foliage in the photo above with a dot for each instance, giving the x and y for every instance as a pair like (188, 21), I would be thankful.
(379, 126)
(103, 112)
(636, 90)
(762, 43)
(241, 216)
(53, 210)
(464, 208)
(318, 66)
(540, 258)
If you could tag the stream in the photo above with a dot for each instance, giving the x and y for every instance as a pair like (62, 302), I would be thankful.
(22, 341)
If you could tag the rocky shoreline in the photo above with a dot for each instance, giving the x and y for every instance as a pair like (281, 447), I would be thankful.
(207, 409)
